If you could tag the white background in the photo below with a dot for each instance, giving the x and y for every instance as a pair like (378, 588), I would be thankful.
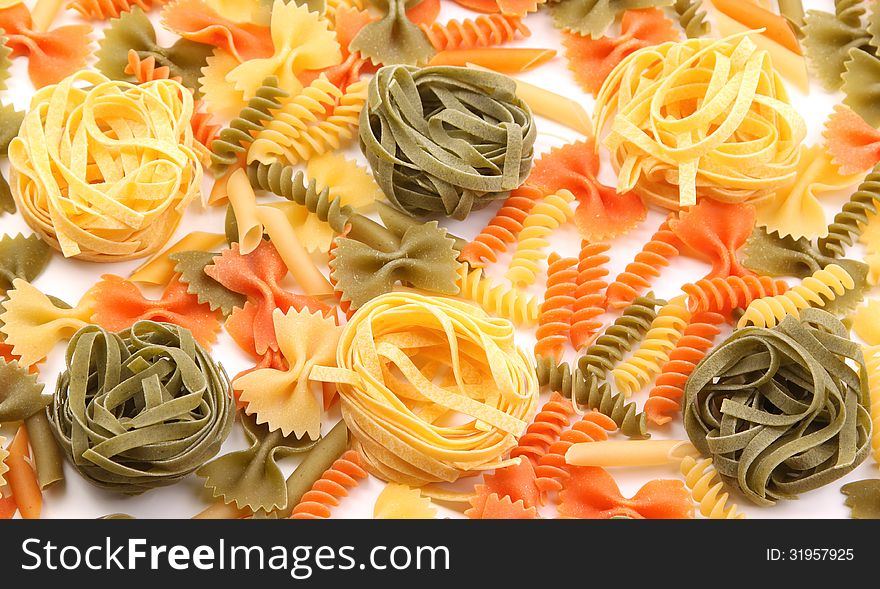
(69, 279)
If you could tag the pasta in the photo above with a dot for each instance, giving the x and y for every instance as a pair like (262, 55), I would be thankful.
(21, 478)
(133, 30)
(503, 229)
(670, 161)
(664, 400)
(507, 60)
(862, 497)
(107, 9)
(554, 318)
(21, 257)
(160, 268)
(793, 12)
(302, 41)
(4, 454)
(510, 303)
(602, 213)
(547, 215)
(591, 493)
(181, 414)
(7, 203)
(638, 275)
(850, 221)
(591, 17)
(10, 123)
(829, 37)
(853, 144)
(190, 267)
(515, 482)
(859, 85)
(235, 140)
(547, 427)
(780, 410)
(393, 419)
(866, 323)
(552, 469)
(196, 21)
(723, 295)
(691, 18)
(394, 38)
(21, 395)
(771, 255)
(666, 330)
(48, 461)
(52, 55)
(814, 291)
(628, 453)
(251, 478)
(32, 323)
(401, 502)
(707, 489)
(129, 205)
(590, 293)
(795, 209)
(591, 60)
(484, 151)
(715, 231)
(872, 367)
(333, 485)
(870, 238)
(119, 305)
(483, 31)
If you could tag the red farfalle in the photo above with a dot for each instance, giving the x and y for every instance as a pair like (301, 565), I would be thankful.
(196, 21)
(602, 213)
(504, 508)
(516, 482)
(425, 12)
(591, 493)
(854, 145)
(120, 304)
(256, 275)
(53, 55)
(714, 231)
(592, 60)
(485, 6)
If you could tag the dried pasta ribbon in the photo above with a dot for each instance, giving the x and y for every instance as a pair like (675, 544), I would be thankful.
(128, 202)
(395, 347)
(699, 118)
(782, 410)
(141, 408)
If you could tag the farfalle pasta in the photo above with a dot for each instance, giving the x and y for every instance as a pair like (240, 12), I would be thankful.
(190, 267)
(146, 173)
(853, 144)
(160, 268)
(715, 231)
(673, 160)
(196, 21)
(394, 418)
(401, 502)
(592, 17)
(394, 38)
(21, 257)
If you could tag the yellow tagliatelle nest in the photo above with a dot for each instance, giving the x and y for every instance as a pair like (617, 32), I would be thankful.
(699, 118)
(103, 169)
(432, 388)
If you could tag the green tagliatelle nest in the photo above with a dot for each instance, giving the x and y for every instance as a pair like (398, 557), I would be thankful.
(140, 408)
(783, 410)
(446, 140)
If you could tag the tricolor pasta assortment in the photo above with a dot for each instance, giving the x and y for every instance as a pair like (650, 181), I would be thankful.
(351, 290)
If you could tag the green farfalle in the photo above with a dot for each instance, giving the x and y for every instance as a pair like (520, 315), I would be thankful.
(426, 259)
(863, 498)
(7, 203)
(133, 30)
(828, 40)
(861, 85)
(5, 62)
(20, 394)
(141, 408)
(593, 17)
(782, 410)
(394, 38)
(191, 267)
(10, 123)
(251, 478)
(22, 257)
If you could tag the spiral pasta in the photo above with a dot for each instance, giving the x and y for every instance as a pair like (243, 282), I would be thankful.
(554, 318)
(235, 139)
(589, 301)
(723, 295)
(107, 9)
(391, 404)
(508, 302)
(666, 329)
(484, 31)
(504, 227)
(334, 484)
(645, 267)
(544, 430)
(851, 220)
(814, 291)
(708, 489)
(547, 215)
(129, 204)
(174, 418)
(552, 469)
(691, 18)
(671, 146)
(664, 400)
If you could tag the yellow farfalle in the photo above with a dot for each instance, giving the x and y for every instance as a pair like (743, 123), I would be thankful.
(302, 40)
(866, 322)
(33, 324)
(402, 502)
(795, 209)
(284, 399)
(236, 10)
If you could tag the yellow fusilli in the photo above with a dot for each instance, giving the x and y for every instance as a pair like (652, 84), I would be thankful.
(546, 216)
(510, 303)
(706, 487)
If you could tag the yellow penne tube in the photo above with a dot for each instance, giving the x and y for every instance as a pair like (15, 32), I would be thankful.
(629, 453)
(244, 203)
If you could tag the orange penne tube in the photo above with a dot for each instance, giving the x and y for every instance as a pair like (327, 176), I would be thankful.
(755, 17)
(22, 478)
(508, 60)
